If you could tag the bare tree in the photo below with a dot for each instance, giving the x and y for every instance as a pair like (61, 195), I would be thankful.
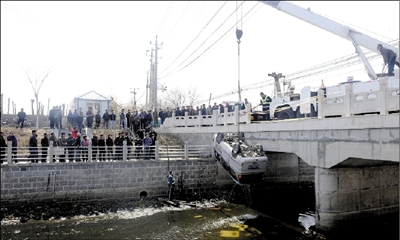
(181, 97)
(36, 84)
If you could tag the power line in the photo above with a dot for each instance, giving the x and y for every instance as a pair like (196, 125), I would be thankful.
(195, 37)
(352, 25)
(184, 11)
(170, 73)
(12, 11)
(230, 34)
(164, 17)
(20, 11)
(270, 82)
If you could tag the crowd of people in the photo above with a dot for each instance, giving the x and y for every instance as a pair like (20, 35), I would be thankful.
(75, 147)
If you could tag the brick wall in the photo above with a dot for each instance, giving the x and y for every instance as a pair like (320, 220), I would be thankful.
(99, 180)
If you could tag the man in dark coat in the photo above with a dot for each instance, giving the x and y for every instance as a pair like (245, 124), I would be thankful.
(21, 118)
(110, 144)
(389, 58)
(52, 117)
(94, 146)
(171, 185)
(3, 147)
(102, 148)
(118, 142)
(45, 145)
(33, 147)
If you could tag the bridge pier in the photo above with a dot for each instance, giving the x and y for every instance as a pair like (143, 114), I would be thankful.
(345, 194)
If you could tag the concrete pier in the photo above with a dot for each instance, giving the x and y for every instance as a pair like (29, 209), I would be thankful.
(345, 194)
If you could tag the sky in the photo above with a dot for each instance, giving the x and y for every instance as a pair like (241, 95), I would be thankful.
(101, 46)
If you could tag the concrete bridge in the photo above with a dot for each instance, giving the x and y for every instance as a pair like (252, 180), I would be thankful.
(352, 146)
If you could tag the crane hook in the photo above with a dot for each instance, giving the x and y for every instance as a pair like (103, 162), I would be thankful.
(239, 34)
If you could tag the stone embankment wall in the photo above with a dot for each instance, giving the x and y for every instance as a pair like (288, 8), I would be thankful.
(100, 180)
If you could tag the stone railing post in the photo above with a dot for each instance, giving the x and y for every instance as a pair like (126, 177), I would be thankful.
(321, 97)
(236, 121)
(9, 152)
(186, 118)
(200, 117)
(215, 117)
(173, 120)
(348, 100)
(225, 116)
(51, 151)
(186, 151)
(124, 151)
(156, 151)
(212, 152)
(383, 83)
(90, 155)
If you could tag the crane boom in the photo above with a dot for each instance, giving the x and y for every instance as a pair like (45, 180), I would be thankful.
(348, 33)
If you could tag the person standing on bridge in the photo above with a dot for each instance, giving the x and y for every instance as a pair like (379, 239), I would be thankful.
(389, 58)
(247, 105)
(265, 102)
(171, 185)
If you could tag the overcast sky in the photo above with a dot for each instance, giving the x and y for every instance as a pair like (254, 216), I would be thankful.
(101, 46)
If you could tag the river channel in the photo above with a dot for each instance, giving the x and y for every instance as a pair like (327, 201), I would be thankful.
(235, 214)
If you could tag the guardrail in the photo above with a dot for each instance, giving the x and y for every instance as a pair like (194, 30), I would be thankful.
(216, 119)
(360, 98)
(51, 154)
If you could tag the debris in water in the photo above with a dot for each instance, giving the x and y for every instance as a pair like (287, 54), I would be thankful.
(229, 234)
(17, 231)
(198, 216)
(240, 227)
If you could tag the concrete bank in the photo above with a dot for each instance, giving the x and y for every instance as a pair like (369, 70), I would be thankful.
(103, 180)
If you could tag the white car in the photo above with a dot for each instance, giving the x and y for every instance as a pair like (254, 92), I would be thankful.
(245, 163)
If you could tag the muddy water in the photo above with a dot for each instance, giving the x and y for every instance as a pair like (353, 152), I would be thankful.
(201, 222)
(240, 213)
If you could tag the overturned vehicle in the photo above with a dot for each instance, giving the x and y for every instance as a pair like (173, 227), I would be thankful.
(245, 163)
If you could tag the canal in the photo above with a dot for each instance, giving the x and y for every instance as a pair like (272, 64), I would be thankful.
(236, 213)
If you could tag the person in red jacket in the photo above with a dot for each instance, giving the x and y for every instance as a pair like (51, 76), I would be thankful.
(74, 132)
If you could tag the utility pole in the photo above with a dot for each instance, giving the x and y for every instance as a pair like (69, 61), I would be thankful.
(154, 87)
(134, 96)
(149, 86)
(147, 89)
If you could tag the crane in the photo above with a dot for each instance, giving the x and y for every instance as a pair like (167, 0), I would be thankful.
(357, 38)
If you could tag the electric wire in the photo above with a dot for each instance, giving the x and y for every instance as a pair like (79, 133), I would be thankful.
(164, 17)
(338, 20)
(230, 34)
(183, 13)
(20, 11)
(14, 12)
(270, 82)
(172, 73)
(195, 37)
(341, 21)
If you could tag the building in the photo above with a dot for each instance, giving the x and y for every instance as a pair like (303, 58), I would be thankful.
(94, 100)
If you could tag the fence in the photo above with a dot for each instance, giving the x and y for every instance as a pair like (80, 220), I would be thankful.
(369, 97)
(216, 119)
(91, 153)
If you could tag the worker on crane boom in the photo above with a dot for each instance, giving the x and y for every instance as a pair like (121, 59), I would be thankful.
(389, 58)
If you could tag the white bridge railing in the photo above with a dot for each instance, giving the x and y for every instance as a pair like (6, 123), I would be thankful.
(51, 154)
(217, 119)
(344, 100)
(360, 98)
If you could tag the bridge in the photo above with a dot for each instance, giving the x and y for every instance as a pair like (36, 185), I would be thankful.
(352, 146)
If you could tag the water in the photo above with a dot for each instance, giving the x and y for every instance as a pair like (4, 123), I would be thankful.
(149, 223)
(272, 215)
